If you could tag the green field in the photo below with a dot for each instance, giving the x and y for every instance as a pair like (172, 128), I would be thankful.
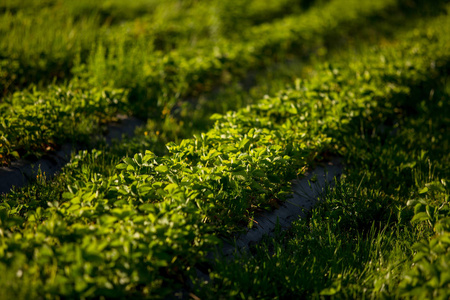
(238, 98)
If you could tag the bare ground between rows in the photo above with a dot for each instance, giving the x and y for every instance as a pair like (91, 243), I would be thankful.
(306, 192)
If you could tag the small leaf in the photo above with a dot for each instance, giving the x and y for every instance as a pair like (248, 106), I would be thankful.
(161, 169)
(147, 207)
(121, 166)
(216, 117)
(423, 191)
(420, 217)
(128, 161)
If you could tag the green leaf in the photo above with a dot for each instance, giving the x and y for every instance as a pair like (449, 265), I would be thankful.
(147, 207)
(162, 169)
(107, 219)
(138, 158)
(67, 195)
(414, 202)
(148, 156)
(422, 216)
(171, 187)
(423, 191)
(216, 117)
(121, 166)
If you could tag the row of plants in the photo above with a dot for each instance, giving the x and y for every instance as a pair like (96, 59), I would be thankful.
(262, 146)
(360, 241)
(41, 121)
(160, 80)
(381, 231)
(166, 78)
(154, 218)
(42, 40)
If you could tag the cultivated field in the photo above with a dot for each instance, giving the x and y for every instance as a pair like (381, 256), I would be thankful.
(235, 100)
